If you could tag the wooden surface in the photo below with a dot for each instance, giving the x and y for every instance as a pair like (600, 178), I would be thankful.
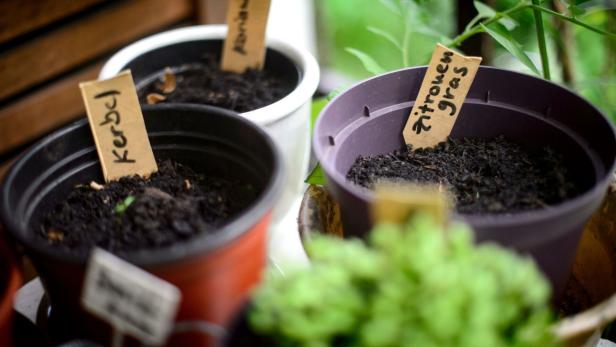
(20, 17)
(65, 47)
(44, 110)
(48, 46)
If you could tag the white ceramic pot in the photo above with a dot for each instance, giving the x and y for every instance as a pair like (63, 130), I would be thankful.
(287, 120)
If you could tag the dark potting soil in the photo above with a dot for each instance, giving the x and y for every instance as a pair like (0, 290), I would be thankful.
(172, 205)
(205, 83)
(485, 176)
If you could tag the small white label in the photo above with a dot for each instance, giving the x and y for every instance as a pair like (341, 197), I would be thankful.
(132, 300)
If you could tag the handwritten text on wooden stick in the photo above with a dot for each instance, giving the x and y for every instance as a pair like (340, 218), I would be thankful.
(117, 124)
(244, 46)
(441, 96)
(132, 300)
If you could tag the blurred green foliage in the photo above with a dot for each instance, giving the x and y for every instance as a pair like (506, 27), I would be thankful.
(351, 24)
(411, 285)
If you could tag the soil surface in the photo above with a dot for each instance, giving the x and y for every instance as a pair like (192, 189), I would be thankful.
(172, 205)
(205, 83)
(485, 176)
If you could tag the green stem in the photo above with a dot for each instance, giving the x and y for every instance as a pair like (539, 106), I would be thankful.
(574, 20)
(543, 50)
(477, 29)
(521, 6)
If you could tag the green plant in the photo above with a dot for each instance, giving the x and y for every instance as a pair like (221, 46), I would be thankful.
(412, 285)
(496, 24)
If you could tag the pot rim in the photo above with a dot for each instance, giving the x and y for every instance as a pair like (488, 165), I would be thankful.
(301, 57)
(196, 246)
(492, 220)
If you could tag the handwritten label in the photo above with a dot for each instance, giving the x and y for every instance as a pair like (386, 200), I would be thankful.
(117, 124)
(244, 46)
(132, 300)
(396, 202)
(441, 96)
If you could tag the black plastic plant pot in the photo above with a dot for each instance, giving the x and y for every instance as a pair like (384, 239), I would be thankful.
(369, 117)
(214, 271)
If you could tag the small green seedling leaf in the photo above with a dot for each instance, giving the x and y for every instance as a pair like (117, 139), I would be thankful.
(502, 36)
(369, 63)
(386, 35)
(121, 207)
(316, 177)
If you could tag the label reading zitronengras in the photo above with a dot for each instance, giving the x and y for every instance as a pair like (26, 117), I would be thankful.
(441, 96)
(132, 300)
(244, 46)
(117, 124)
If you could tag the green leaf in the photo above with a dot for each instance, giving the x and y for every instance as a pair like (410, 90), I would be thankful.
(317, 107)
(484, 10)
(316, 177)
(386, 35)
(121, 207)
(504, 38)
(369, 63)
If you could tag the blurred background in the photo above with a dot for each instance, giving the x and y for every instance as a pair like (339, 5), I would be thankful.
(48, 46)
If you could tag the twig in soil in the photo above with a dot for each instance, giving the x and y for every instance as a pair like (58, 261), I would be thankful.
(96, 186)
(155, 98)
(169, 82)
(55, 235)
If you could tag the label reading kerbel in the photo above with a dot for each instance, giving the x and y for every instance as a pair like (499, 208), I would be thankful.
(441, 96)
(117, 124)
(132, 300)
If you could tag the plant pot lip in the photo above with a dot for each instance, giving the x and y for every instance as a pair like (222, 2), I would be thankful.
(479, 220)
(11, 286)
(194, 247)
(301, 57)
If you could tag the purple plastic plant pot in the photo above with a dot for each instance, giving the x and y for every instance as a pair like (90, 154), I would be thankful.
(368, 119)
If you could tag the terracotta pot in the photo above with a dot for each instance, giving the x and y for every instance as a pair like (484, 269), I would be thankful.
(287, 120)
(214, 272)
(10, 280)
(368, 119)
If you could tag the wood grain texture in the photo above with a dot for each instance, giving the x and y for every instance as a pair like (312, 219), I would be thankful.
(60, 50)
(18, 17)
(42, 111)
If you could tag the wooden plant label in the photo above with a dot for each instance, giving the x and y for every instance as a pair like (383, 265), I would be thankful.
(132, 300)
(395, 203)
(245, 43)
(441, 96)
(117, 125)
